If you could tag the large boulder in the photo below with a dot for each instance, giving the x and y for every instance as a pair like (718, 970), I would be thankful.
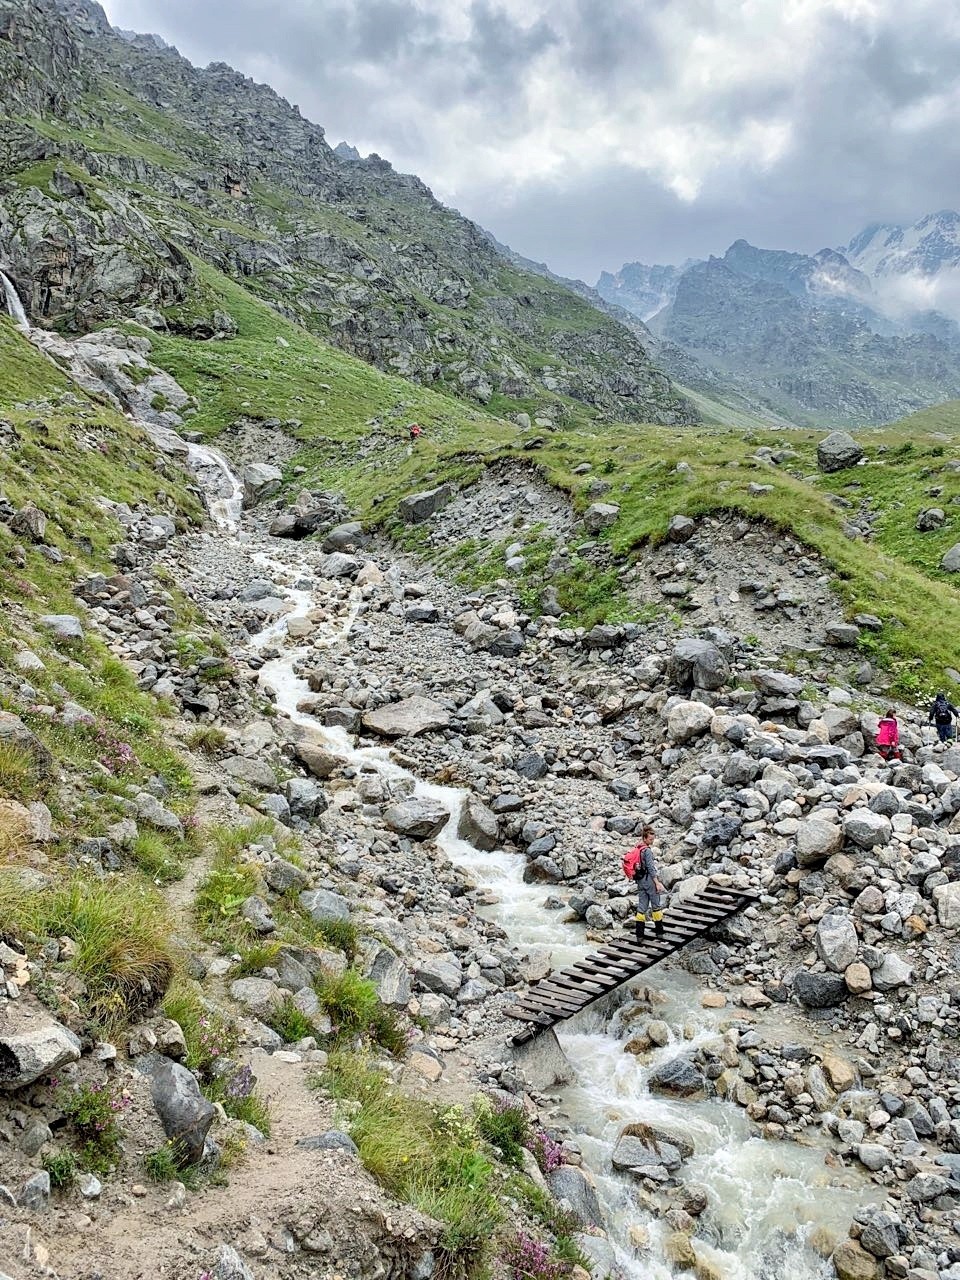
(819, 990)
(688, 720)
(867, 829)
(600, 515)
(444, 976)
(837, 451)
(407, 718)
(417, 819)
(421, 506)
(184, 1112)
(570, 1184)
(389, 975)
(947, 900)
(698, 664)
(817, 840)
(324, 906)
(260, 480)
(260, 996)
(837, 942)
(478, 825)
(30, 1051)
(951, 559)
(678, 1078)
(14, 733)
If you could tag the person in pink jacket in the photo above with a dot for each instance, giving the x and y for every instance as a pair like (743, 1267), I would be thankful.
(888, 736)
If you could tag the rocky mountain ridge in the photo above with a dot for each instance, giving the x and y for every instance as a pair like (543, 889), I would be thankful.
(123, 164)
(850, 334)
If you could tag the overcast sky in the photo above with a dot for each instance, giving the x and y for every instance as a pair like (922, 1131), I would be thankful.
(587, 133)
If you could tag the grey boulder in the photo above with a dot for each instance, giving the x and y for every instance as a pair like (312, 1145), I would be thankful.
(184, 1112)
(478, 825)
(260, 480)
(418, 819)
(837, 451)
(407, 718)
(35, 1051)
(323, 905)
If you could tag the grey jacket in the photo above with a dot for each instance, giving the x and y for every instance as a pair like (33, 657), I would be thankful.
(646, 872)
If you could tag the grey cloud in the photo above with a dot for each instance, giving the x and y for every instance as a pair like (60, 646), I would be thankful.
(393, 76)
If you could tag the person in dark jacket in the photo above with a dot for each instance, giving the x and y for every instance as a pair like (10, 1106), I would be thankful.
(942, 715)
(640, 864)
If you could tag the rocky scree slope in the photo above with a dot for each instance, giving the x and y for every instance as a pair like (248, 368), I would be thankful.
(302, 869)
(119, 159)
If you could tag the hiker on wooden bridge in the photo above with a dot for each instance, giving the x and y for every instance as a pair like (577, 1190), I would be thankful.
(640, 867)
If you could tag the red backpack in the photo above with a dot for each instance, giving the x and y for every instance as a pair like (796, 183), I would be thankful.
(631, 860)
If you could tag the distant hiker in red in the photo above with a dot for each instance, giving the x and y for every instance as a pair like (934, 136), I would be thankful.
(888, 736)
(639, 866)
(416, 431)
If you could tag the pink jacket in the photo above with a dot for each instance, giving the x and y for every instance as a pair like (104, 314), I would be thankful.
(888, 733)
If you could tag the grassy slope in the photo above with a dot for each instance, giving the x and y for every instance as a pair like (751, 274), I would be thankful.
(342, 402)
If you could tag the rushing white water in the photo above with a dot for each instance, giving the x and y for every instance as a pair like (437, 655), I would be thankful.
(224, 490)
(13, 304)
(764, 1197)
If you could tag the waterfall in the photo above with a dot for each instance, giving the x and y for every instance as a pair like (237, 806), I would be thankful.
(13, 303)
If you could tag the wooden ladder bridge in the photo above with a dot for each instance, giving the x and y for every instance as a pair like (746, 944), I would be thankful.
(561, 995)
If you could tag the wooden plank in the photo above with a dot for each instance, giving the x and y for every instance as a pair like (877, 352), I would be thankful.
(549, 1000)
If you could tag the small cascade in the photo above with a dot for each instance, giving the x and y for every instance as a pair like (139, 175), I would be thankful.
(224, 491)
(13, 304)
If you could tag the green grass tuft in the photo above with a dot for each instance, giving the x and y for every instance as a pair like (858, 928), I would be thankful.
(121, 933)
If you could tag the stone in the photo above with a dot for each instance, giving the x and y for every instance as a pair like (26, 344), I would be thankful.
(837, 942)
(599, 516)
(681, 529)
(35, 1195)
(184, 1112)
(35, 1050)
(63, 626)
(951, 559)
(892, 973)
(259, 996)
(230, 1266)
(478, 825)
(571, 1184)
(867, 829)
(837, 451)
(89, 1186)
(407, 718)
(389, 975)
(850, 1260)
(880, 1236)
(532, 767)
(930, 518)
(678, 1078)
(282, 876)
(14, 733)
(817, 840)
(260, 480)
(253, 772)
(632, 1155)
(838, 1071)
(29, 522)
(343, 537)
(842, 635)
(421, 506)
(330, 1140)
(305, 798)
(819, 990)
(698, 664)
(858, 979)
(417, 819)
(445, 977)
(688, 720)
(323, 905)
(946, 897)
